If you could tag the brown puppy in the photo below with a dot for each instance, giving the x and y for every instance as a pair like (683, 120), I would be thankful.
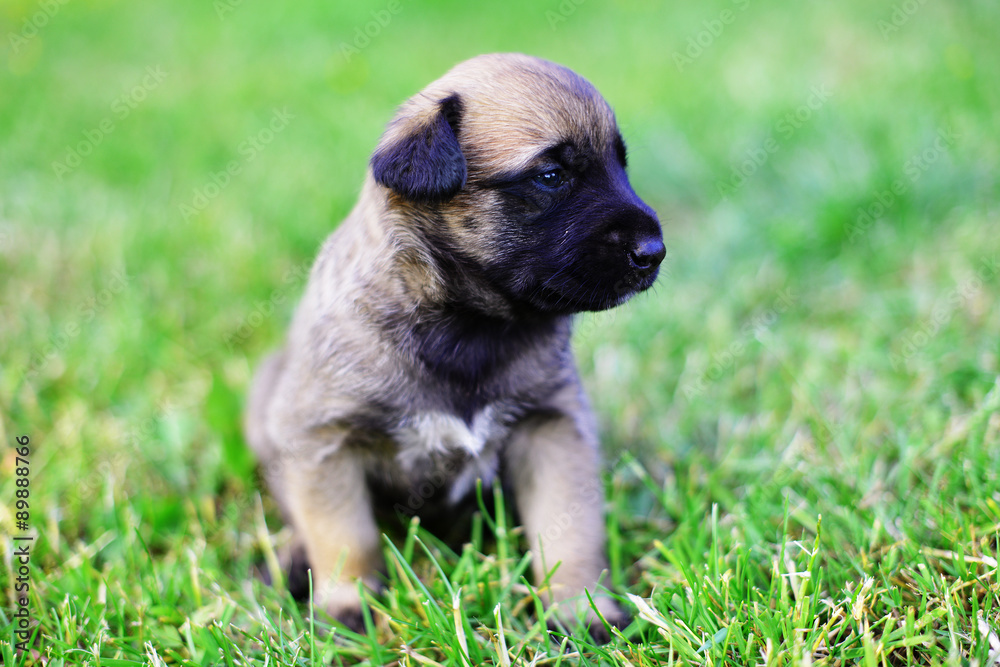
(432, 345)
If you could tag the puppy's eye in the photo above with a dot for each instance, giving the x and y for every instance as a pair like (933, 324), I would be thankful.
(551, 179)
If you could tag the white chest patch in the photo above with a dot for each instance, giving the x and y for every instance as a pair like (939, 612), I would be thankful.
(429, 434)
(439, 432)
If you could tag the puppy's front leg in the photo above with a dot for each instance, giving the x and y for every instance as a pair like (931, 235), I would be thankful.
(553, 464)
(330, 508)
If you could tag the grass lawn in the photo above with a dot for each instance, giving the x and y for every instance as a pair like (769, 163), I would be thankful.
(801, 422)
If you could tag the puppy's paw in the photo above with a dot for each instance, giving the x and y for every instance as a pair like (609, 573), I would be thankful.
(570, 613)
(612, 612)
(341, 600)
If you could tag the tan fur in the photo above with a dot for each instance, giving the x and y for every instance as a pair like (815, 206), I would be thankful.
(345, 401)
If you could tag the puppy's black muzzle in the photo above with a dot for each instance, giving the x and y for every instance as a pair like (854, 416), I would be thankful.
(638, 229)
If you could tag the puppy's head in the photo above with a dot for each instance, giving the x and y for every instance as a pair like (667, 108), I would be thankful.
(514, 168)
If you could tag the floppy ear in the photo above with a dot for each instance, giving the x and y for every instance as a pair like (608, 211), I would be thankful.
(420, 159)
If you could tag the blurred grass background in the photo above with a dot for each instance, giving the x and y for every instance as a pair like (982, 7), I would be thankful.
(824, 339)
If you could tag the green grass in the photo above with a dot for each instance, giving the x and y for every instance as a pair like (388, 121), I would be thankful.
(801, 422)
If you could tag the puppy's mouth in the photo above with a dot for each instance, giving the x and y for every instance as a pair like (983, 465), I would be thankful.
(619, 258)
(595, 283)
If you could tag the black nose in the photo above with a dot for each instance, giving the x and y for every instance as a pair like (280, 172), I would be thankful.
(647, 255)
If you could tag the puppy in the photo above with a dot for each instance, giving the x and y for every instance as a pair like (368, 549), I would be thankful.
(432, 345)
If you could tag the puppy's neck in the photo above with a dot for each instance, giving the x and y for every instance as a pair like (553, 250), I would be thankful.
(441, 307)
(433, 275)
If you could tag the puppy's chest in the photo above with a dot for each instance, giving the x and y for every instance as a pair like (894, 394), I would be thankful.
(442, 445)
